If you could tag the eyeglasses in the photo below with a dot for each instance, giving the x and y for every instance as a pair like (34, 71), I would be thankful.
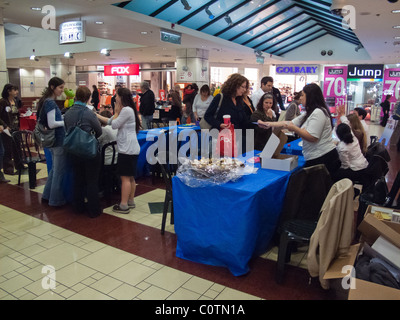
(244, 87)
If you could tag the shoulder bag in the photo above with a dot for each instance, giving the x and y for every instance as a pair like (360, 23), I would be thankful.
(44, 137)
(79, 142)
(203, 123)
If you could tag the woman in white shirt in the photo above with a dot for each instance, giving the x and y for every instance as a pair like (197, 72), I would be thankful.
(127, 122)
(202, 102)
(353, 161)
(315, 128)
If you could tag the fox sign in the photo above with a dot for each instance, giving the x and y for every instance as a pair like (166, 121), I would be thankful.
(122, 70)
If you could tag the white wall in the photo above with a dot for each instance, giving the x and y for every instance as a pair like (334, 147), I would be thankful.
(33, 81)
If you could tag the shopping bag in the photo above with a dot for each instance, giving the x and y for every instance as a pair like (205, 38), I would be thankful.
(226, 143)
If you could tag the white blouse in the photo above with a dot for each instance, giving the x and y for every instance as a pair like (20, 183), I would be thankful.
(127, 141)
(200, 106)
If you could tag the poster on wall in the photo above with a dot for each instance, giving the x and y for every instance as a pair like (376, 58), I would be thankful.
(335, 79)
(391, 85)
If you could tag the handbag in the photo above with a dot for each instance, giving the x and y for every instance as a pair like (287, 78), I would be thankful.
(44, 137)
(203, 123)
(80, 142)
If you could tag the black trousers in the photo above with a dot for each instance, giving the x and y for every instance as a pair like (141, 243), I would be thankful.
(86, 183)
(330, 160)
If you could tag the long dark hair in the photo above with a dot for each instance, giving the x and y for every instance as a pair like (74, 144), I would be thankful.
(53, 83)
(6, 90)
(315, 99)
(127, 101)
(260, 103)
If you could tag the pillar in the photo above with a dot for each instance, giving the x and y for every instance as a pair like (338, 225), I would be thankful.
(3, 60)
(192, 66)
(64, 69)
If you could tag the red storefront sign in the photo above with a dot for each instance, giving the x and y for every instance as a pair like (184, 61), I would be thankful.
(122, 70)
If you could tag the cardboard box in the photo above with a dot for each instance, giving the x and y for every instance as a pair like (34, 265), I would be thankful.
(271, 157)
(371, 229)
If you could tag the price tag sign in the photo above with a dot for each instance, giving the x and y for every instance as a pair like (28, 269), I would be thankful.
(335, 81)
(391, 85)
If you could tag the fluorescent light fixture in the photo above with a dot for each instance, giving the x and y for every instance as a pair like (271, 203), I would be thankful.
(36, 9)
(396, 27)
(210, 15)
(99, 22)
(186, 5)
(106, 52)
(395, 11)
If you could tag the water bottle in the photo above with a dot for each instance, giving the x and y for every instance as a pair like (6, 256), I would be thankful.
(289, 149)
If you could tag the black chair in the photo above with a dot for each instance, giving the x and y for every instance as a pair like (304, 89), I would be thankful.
(305, 195)
(28, 152)
(109, 179)
(167, 170)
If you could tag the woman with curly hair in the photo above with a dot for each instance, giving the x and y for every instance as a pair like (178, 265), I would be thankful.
(232, 104)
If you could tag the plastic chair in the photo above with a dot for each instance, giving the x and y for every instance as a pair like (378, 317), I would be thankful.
(305, 194)
(24, 143)
(109, 179)
(167, 170)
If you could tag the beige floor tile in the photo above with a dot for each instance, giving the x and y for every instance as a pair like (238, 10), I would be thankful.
(132, 273)
(15, 283)
(90, 294)
(22, 241)
(184, 294)
(73, 274)
(61, 255)
(125, 292)
(7, 265)
(198, 285)
(50, 295)
(106, 284)
(168, 278)
(107, 259)
(154, 293)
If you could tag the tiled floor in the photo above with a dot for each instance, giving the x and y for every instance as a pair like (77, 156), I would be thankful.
(48, 253)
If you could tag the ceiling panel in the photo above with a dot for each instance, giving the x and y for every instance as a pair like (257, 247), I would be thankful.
(272, 26)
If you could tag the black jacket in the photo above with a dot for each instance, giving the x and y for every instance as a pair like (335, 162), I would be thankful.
(147, 103)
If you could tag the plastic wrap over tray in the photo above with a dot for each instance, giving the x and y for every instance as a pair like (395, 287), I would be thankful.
(206, 172)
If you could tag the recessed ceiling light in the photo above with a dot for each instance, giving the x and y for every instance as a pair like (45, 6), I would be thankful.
(143, 32)
(396, 27)
(395, 11)
(36, 9)
(99, 22)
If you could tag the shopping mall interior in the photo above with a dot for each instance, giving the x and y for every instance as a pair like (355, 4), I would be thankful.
(352, 54)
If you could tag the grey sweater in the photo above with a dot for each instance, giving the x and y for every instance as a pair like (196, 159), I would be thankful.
(89, 120)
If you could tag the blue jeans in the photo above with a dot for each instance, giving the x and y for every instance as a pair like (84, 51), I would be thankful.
(53, 190)
(147, 122)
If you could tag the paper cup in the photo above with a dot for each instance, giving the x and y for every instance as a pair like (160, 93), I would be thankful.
(227, 119)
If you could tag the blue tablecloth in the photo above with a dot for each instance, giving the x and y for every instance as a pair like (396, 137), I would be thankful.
(296, 148)
(226, 225)
(147, 137)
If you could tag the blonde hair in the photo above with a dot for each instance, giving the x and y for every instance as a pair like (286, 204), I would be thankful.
(358, 131)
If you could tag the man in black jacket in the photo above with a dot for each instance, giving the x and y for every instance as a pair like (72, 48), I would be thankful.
(147, 105)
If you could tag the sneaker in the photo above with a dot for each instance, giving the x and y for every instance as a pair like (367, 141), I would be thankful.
(118, 209)
(131, 205)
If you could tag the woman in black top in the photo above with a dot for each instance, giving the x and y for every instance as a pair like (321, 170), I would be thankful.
(95, 98)
(385, 109)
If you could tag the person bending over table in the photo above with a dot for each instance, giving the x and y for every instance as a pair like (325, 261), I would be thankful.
(264, 112)
(315, 128)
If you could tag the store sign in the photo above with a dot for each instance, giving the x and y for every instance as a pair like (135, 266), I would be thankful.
(122, 70)
(366, 72)
(335, 86)
(72, 32)
(391, 85)
(171, 37)
(296, 69)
